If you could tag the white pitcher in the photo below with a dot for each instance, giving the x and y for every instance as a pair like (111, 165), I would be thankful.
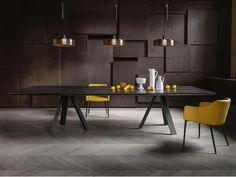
(152, 77)
(160, 83)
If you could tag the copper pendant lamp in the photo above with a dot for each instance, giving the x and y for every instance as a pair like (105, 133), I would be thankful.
(165, 42)
(115, 41)
(64, 41)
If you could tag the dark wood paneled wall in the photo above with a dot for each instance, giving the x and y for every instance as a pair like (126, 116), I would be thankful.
(27, 58)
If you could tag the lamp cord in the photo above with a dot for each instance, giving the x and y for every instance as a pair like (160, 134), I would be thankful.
(166, 16)
(63, 19)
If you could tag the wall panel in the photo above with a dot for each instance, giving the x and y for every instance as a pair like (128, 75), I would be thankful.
(202, 25)
(200, 29)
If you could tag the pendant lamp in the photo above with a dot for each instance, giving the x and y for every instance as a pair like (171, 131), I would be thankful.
(115, 41)
(64, 41)
(165, 42)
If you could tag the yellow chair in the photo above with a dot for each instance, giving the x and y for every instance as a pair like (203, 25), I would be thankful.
(208, 113)
(92, 98)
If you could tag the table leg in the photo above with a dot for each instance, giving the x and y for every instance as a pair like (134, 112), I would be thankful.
(167, 115)
(164, 118)
(147, 112)
(79, 112)
(64, 110)
(57, 113)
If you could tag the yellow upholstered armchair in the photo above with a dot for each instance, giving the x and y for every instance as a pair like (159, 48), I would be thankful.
(208, 113)
(92, 98)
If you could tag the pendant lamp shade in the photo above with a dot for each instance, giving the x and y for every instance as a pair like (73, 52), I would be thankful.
(115, 41)
(165, 42)
(63, 41)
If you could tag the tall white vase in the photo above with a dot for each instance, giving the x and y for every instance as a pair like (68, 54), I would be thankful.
(152, 77)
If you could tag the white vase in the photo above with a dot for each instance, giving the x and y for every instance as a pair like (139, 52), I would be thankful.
(152, 77)
(160, 83)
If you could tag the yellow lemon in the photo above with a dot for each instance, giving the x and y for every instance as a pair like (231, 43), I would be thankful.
(118, 86)
(167, 87)
(132, 87)
(174, 86)
(113, 87)
(151, 88)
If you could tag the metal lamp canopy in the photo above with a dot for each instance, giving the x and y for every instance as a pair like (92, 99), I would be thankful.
(64, 41)
(164, 42)
(115, 41)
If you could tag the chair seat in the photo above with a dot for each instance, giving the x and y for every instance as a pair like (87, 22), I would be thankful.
(94, 98)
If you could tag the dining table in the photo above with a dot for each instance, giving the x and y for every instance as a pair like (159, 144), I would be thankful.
(67, 93)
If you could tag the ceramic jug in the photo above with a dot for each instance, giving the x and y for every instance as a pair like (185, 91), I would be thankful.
(160, 83)
(152, 77)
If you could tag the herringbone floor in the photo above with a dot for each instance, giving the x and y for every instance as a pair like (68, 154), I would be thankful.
(112, 146)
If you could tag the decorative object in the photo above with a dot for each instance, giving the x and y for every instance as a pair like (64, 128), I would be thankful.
(64, 41)
(115, 41)
(160, 83)
(152, 77)
(165, 42)
(140, 81)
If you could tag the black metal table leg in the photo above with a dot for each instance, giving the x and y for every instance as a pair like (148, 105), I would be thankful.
(164, 117)
(64, 110)
(57, 113)
(147, 112)
(167, 114)
(79, 112)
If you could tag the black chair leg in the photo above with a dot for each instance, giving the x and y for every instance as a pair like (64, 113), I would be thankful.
(213, 140)
(199, 130)
(185, 126)
(86, 109)
(89, 106)
(108, 109)
(223, 131)
(105, 106)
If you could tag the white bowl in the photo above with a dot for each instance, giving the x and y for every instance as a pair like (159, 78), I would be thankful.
(140, 80)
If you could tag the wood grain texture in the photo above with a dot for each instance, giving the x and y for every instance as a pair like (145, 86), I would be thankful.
(202, 25)
(9, 81)
(133, 16)
(112, 147)
(178, 59)
(28, 28)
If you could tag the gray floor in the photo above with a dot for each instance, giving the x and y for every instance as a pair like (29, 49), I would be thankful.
(112, 146)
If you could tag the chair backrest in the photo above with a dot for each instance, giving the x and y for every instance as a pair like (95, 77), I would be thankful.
(218, 111)
(98, 85)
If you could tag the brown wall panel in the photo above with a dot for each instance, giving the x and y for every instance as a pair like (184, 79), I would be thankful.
(28, 28)
(93, 17)
(131, 49)
(26, 72)
(178, 78)
(204, 59)
(175, 28)
(33, 30)
(133, 21)
(178, 58)
(155, 30)
(9, 83)
(202, 26)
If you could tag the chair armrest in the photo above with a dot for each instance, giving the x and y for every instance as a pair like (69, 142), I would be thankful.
(191, 113)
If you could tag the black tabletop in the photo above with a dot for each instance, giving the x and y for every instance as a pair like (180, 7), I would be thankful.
(85, 90)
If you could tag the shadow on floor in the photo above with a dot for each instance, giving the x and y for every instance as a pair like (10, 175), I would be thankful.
(170, 147)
